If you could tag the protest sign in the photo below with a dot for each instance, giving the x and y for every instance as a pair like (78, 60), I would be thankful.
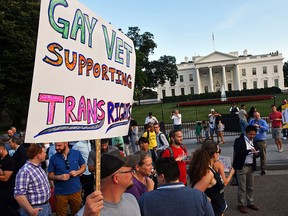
(226, 161)
(83, 79)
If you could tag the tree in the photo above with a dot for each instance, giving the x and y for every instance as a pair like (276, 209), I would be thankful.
(163, 70)
(150, 74)
(285, 73)
(18, 27)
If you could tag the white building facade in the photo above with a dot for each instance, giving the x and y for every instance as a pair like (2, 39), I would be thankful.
(234, 72)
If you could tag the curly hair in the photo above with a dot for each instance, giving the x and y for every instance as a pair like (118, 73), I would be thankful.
(200, 162)
(199, 166)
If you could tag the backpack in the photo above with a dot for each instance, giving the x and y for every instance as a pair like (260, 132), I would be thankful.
(160, 139)
(172, 153)
(147, 134)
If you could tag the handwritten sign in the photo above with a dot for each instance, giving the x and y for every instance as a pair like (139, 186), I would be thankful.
(226, 161)
(84, 75)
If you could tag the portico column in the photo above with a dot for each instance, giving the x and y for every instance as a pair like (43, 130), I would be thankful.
(211, 79)
(224, 76)
(198, 81)
(237, 77)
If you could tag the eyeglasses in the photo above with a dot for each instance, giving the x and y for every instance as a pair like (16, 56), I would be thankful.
(128, 171)
(219, 151)
(67, 164)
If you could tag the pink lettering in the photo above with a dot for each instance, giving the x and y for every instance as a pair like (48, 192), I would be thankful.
(51, 100)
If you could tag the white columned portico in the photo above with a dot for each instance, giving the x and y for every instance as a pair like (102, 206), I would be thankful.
(224, 77)
(211, 79)
(237, 77)
(198, 81)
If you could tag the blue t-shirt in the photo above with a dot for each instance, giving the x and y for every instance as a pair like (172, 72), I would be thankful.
(58, 166)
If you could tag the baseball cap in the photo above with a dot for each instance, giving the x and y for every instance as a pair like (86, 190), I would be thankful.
(112, 161)
(212, 110)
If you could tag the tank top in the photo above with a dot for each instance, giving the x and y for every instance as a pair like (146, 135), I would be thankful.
(216, 194)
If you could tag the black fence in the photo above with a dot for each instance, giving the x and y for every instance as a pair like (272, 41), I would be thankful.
(231, 122)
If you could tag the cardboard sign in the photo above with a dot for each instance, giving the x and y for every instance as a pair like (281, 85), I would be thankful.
(226, 161)
(84, 75)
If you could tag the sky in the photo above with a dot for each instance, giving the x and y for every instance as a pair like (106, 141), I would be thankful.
(185, 27)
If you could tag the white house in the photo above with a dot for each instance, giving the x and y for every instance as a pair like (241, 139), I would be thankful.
(233, 71)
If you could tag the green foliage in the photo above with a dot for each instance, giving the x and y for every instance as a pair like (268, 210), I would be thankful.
(150, 74)
(18, 27)
(163, 70)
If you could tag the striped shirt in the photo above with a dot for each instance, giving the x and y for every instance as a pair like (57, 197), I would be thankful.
(32, 181)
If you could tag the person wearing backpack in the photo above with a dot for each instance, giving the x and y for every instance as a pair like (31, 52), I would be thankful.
(162, 141)
(179, 152)
(150, 135)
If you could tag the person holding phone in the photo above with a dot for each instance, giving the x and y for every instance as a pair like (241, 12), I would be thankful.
(246, 150)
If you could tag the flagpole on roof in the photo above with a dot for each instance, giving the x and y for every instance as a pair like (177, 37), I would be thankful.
(213, 41)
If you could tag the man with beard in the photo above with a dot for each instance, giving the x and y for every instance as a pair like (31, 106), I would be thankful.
(179, 152)
(6, 181)
(92, 154)
(64, 169)
(116, 177)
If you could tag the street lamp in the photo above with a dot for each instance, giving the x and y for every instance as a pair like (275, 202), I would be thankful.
(162, 124)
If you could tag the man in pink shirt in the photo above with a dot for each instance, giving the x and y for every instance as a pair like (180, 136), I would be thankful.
(276, 118)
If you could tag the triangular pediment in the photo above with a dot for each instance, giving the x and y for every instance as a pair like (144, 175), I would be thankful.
(216, 57)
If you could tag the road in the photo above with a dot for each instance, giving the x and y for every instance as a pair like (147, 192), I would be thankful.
(270, 191)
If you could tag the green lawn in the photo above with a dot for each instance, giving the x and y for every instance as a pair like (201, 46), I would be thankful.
(198, 113)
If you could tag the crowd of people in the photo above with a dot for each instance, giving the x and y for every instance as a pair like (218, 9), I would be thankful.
(136, 170)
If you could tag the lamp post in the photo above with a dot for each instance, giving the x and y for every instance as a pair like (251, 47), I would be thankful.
(162, 110)
(274, 97)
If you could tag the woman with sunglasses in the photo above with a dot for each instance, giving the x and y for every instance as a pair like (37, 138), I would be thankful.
(141, 180)
(204, 178)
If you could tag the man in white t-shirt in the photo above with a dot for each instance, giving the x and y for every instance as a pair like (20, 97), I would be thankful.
(177, 119)
(151, 119)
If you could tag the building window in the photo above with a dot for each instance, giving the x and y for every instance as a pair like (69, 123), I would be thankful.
(192, 90)
(190, 77)
(265, 83)
(173, 92)
(206, 89)
(181, 78)
(244, 85)
(275, 68)
(254, 84)
(276, 83)
(265, 70)
(229, 87)
(243, 72)
(253, 71)
(182, 91)
(163, 93)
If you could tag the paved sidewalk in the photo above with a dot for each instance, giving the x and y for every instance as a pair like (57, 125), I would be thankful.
(270, 190)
